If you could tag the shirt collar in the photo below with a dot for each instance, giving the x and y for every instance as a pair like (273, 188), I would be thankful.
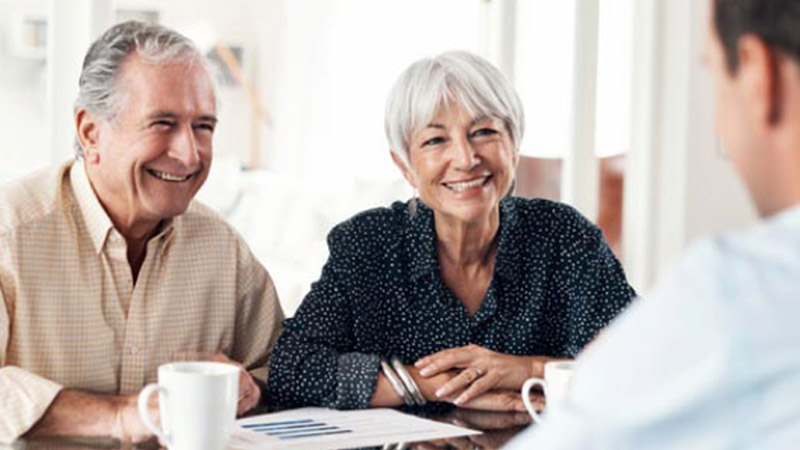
(789, 216)
(97, 221)
(421, 235)
(509, 247)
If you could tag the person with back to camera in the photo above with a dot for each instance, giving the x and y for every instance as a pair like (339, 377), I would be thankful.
(709, 359)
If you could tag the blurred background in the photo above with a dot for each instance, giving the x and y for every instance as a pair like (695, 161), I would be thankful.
(619, 110)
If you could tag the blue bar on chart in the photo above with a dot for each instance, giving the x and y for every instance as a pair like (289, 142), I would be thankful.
(295, 429)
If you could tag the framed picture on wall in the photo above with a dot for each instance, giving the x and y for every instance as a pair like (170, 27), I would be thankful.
(228, 62)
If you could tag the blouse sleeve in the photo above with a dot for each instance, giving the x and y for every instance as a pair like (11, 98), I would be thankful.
(313, 363)
(594, 283)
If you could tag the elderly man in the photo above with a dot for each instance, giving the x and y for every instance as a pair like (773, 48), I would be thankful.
(711, 360)
(107, 267)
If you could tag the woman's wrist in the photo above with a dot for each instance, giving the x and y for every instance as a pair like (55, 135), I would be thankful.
(408, 381)
(534, 368)
(426, 385)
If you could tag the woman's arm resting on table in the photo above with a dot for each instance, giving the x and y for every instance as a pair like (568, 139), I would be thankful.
(482, 370)
(493, 400)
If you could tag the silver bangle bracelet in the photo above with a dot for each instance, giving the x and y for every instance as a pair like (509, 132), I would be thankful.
(408, 381)
(396, 383)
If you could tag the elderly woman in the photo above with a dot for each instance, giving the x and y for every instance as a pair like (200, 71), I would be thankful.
(458, 295)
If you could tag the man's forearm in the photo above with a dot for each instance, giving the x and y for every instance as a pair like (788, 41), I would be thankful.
(76, 413)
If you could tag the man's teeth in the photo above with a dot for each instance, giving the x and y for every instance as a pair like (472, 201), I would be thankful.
(458, 187)
(168, 176)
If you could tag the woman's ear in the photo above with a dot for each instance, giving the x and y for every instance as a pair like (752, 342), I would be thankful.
(408, 174)
(87, 130)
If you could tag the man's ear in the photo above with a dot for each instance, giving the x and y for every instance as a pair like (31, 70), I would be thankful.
(759, 78)
(407, 173)
(87, 129)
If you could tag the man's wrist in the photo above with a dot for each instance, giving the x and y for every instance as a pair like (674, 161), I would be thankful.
(128, 425)
(119, 428)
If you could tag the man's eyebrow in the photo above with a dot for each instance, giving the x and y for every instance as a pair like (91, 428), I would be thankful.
(162, 115)
(208, 118)
(171, 115)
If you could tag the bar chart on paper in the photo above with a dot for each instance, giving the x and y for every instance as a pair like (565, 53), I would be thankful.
(320, 428)
(288, 430)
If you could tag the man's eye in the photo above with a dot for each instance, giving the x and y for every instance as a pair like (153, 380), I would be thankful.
(162, 124)
(205, 127)
(433, 141)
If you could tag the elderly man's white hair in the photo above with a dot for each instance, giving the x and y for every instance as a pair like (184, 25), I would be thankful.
(455, 76)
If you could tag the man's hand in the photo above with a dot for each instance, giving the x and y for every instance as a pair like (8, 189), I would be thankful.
(76, 413)
(128, 425)
(249, 392)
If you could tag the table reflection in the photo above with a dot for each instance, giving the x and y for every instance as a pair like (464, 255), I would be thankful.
(498, 428)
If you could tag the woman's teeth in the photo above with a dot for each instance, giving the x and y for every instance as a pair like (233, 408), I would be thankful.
(458, 187)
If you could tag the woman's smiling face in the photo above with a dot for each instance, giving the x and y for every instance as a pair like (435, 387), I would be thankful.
(461, 165)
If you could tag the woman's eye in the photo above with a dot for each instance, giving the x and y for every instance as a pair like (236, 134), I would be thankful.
(433, 141)
(484, 132)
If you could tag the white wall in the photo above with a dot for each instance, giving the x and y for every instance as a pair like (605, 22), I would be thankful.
(327, 67)
(72, 27)
(678, 189)
(22, 96)
(208, 22)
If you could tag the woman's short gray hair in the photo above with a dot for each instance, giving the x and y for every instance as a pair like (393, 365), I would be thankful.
(456, 76)
(103, 63)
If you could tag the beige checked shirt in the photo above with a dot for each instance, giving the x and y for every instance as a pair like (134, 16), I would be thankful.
(65, 287)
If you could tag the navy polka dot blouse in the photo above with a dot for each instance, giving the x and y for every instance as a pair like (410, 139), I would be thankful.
(555, 285)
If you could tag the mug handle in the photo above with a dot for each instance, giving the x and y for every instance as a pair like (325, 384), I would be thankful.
(144, 412)
(526, 397)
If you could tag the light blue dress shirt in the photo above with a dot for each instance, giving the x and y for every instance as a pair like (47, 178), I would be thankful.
(709, 360)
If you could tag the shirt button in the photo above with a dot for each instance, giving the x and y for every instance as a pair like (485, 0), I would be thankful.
(133, 350)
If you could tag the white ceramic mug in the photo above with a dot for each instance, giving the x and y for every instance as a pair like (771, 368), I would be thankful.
(197, 402)
(557, 375)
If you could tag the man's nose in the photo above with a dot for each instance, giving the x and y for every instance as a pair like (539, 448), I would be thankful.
(184, 147)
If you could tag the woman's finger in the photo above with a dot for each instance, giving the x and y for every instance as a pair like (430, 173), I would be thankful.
(479, 387)
(458, 383)
(446, 360)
